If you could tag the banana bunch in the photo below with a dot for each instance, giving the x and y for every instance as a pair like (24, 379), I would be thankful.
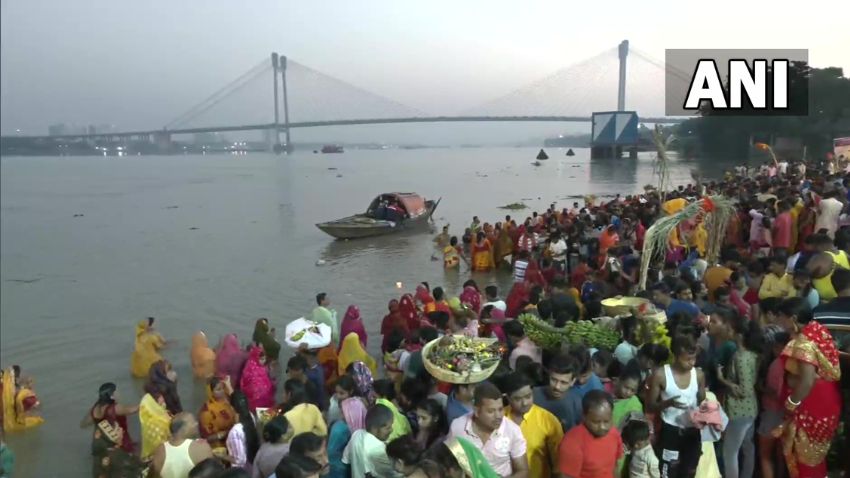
(582, 332)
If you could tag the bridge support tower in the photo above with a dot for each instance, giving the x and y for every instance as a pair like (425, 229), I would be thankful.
(621, 91)
(275, 143)
(162, 141)
(288, 147)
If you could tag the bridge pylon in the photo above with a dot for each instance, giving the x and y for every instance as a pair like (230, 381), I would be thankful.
(288, 147)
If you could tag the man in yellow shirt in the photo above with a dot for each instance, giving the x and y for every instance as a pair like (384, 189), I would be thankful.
(541, 429)
(716, 276)
(777, 283)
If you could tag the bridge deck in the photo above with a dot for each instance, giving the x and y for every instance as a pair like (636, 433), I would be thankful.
(348, 122)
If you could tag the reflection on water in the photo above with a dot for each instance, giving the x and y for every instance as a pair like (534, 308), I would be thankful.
(614, 171)
(215, 242)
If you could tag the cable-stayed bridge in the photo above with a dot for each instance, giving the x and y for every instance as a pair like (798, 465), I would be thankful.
(281, 95)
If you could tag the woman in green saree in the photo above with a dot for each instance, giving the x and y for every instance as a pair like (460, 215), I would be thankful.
(264, 338)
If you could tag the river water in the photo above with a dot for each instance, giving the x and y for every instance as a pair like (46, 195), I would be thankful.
(215, 242)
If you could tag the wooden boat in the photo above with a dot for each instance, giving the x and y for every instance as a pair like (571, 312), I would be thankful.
(388, 213)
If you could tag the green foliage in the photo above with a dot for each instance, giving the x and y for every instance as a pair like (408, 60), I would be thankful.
(722, 133)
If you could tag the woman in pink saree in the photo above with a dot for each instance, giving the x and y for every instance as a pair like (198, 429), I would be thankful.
(352, 323)
(471, 296)
(255, 381)
(230, 359)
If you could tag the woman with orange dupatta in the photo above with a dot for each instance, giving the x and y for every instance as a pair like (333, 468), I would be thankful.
(202, 356)
(813, 396)
(482, 254)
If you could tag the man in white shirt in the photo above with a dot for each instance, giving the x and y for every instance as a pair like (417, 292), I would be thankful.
(558, 247)
(366, 452)
(829, 211)
(491, 293)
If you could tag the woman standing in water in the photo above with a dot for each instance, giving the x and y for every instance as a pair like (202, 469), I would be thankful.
(230, 358)
(107, 409)
(18, 401)
(146, 351)
(162, 380)
(112, 448)
(255, 381)
(155, 422)
(812, 389)
(263, 336)
(217, 416)
(202, 356)
(352, 323)
(482, 254)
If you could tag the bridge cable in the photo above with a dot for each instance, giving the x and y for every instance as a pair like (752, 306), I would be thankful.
(219, 95)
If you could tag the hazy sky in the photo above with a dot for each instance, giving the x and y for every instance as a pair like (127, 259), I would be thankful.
(140, 64)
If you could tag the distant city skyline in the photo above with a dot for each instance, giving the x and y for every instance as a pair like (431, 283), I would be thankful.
(138, 65)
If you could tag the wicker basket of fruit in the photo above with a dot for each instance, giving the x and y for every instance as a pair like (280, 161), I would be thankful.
(460, 359)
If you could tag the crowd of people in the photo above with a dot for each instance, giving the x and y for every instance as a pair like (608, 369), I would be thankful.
(747, 384)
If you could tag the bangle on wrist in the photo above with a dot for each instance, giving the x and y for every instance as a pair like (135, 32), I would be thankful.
(792, 402)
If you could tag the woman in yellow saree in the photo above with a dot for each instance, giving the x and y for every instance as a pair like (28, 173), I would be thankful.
(155, 421)
(217, 415)
(482, 254)
(352, 351)
(504, 246)
(202, 356)
(146, 352)
(17, 403)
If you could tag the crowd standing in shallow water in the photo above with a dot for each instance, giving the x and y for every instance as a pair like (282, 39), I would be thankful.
(742, 379)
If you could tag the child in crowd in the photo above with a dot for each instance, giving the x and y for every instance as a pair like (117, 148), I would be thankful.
(643, 462)
(601, 362)
(586, 380)
(626, 402)
(594, 447)
(773, 411)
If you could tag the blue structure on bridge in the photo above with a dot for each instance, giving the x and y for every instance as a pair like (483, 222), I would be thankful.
(614, 132)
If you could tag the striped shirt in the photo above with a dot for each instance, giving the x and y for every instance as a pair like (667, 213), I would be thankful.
(835, 316)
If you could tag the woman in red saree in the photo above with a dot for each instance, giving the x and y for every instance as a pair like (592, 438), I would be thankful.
(811, 391)
(408, 312)
(424, 297)
(534, 276)
(517, 298)
(471, 296)
(392, 322)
